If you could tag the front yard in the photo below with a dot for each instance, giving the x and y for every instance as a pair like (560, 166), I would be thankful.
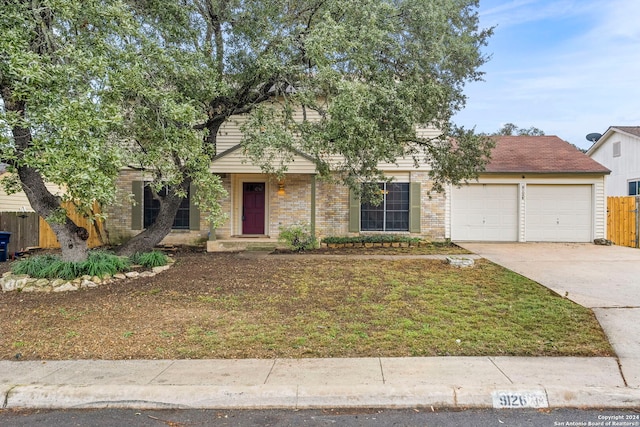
(233, 306)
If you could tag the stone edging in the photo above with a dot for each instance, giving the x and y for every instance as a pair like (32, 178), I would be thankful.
(23, 283)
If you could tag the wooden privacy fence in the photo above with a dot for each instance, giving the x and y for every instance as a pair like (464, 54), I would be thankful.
(96, 229)
(28, 230)
(623, 224)
(23, 227)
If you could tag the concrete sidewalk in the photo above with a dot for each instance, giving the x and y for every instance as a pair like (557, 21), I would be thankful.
(438, 382)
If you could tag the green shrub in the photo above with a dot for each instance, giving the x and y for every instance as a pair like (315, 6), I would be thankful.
(298, 237)
(149, 259)
(98, 263)
(34, 266)
(372, 238)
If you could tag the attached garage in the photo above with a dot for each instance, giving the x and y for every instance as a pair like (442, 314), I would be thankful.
(485, 212)
(535, 189)
(559, 213)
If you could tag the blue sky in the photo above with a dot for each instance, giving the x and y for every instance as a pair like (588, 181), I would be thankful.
(568, 67)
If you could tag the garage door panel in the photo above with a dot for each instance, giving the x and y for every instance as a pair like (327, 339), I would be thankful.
(485, 213)
(558, 213)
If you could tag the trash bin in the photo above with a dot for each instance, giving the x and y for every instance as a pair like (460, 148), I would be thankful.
(5, 236)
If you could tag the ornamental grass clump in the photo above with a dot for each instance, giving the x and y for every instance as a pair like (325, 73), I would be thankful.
(98, 263)
(149, 259)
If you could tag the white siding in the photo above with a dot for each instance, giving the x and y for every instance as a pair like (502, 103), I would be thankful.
(237, 162)
(625, 167)
(230, 136)
(18, 201)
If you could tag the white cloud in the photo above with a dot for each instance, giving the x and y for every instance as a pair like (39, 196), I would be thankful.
(517, 12)
(585, 81)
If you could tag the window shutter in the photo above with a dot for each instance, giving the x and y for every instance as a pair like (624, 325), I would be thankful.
(194, 210)
(137, 210)
(415, 203)
(354, 212)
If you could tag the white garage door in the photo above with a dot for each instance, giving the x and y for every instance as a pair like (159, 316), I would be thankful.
(558, 213)
(485, 212)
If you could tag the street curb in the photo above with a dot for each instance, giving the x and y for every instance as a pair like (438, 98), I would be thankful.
(44, 396)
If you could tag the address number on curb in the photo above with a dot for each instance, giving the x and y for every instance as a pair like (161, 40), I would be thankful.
(534, 399)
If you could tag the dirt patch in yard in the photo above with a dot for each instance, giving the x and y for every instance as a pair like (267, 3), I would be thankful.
(239, 306)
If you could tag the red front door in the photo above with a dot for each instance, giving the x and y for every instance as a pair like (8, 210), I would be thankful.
(253, 208)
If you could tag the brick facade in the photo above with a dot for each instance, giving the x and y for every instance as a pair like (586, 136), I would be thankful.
(294, 205)
(118, 223)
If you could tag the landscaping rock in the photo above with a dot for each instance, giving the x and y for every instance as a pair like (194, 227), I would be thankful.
(457, 261)
(66, 287)
(58, 282)
(88, 284)
(10, 282)
(603, 242)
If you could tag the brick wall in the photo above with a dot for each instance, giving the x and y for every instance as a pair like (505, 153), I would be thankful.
(291, 207)
(332, 209)
(118, 222)
(432, 213)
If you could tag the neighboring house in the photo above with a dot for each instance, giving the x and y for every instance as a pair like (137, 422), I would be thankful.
(535, 189)
(18, 202)
(619, 150)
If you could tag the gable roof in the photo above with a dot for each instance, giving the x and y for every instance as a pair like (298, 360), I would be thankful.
(540, 154)
(629, 130)
(633, 130)
(234, 160)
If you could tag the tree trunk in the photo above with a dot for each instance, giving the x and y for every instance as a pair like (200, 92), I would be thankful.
(72, 239)
(149, 238)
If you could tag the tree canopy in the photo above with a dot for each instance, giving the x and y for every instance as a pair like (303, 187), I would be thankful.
(87, 85)
(510, 129)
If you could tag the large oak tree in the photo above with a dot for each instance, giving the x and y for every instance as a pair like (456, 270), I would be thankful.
(54, 124)
(363, 72)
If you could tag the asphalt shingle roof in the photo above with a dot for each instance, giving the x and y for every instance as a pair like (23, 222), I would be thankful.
(540, 154)
(633, 130)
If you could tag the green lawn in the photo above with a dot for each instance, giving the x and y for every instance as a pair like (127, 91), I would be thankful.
(222, 306)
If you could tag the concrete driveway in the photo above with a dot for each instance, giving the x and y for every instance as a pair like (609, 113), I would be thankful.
(603, 278)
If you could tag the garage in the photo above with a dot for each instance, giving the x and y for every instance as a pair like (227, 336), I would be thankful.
(533, 189)
(558, 213)
(485, 212)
